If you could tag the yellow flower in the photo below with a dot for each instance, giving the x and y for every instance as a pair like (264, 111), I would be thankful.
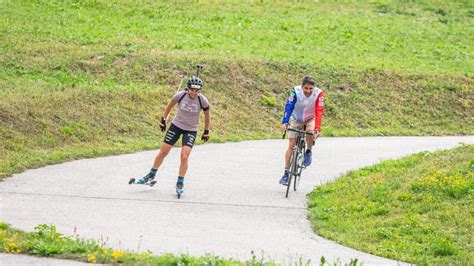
(91, 258)
(117, 255)
(10, 247)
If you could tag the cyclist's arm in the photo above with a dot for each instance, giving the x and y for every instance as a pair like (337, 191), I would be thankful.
(318, 111)
(289, 106)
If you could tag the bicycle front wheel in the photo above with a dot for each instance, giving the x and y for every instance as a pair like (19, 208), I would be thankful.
(290, 178)
(299, 169)
(292, 171)
(296, 183)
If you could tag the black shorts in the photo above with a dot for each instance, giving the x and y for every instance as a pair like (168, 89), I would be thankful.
(174, 132)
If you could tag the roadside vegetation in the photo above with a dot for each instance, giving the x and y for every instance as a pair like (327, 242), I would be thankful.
(416, 209)
(46, 241)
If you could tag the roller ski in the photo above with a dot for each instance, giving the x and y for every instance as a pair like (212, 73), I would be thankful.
(147, 180)
(180, 187)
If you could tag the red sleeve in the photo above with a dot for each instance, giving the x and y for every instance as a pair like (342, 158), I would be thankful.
(318, 111)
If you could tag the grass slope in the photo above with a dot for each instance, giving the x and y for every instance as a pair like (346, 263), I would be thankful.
(417, 209)
(88, 78)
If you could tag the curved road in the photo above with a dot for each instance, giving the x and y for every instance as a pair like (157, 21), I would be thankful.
(233, 205)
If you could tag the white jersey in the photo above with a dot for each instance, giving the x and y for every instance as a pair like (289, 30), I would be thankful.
(304, 107)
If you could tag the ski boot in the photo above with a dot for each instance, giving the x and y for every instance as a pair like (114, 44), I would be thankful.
(180, 186)
(146, 180)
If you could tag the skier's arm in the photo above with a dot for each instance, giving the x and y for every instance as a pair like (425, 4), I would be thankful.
(207, 119)
(166, 113)
(168, 108)
(207, 124)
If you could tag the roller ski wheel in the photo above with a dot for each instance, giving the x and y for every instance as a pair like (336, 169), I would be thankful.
(179, 191)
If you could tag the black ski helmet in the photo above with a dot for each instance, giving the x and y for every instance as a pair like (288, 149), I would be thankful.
(195, 83)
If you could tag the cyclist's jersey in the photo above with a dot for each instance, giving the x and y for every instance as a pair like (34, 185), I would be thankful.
(302, 108)
(187, 117)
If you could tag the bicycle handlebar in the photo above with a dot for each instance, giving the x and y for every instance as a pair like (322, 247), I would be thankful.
(297, 131)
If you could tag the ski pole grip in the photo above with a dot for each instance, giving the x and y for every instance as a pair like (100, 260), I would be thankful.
(198, 68)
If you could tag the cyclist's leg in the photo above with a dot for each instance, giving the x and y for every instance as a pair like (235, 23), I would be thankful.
(288, 154)
(309, 142)
(289, 151)
(291, 141)
(310, 129)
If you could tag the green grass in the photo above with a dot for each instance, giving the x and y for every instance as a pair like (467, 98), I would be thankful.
(88, 78)
(46, 241)
(407, 37)
(417, 209)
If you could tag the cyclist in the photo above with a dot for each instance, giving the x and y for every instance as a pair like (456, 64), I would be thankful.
(304, 107)
(185, 124)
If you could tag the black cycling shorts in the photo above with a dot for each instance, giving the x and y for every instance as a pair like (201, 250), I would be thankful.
(174, 132)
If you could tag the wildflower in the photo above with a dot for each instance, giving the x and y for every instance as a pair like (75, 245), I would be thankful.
(91, 258)
(117, 255)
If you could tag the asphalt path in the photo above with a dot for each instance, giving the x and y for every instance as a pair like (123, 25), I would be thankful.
(233, 205)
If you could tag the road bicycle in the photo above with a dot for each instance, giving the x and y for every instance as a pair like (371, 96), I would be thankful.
(297, 157)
